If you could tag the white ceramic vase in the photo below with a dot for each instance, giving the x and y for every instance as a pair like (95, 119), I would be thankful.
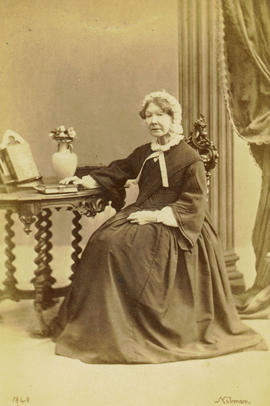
(64, 161)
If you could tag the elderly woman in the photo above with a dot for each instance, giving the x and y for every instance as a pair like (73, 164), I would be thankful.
(151, 285)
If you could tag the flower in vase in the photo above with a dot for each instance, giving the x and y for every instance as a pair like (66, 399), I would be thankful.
(71, 132)
(63, 134)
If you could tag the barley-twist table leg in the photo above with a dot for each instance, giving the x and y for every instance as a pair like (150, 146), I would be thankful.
(76, 242)
(50, 280)
(10, 290)
(10, 282)
(43, 280)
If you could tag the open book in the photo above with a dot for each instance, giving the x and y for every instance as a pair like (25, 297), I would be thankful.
(17, 164)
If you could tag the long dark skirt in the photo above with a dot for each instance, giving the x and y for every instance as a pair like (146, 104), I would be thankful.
(137, 298)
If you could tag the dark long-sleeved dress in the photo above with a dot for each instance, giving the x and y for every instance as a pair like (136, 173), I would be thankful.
(152, 293)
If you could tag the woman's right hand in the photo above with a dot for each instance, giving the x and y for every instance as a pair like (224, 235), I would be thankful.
(75, 180)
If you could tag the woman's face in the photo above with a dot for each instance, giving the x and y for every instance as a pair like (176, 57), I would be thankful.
(157, 120)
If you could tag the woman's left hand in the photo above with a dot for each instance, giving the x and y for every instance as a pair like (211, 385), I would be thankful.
(143, 217)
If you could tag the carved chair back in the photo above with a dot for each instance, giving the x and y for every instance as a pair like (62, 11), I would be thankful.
(200, 142)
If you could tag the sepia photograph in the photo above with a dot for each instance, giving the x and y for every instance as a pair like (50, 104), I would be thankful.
(135, 203)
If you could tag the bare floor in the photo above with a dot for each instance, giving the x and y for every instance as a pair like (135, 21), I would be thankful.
(31, 374)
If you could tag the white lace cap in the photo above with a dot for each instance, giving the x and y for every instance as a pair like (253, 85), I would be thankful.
(176, 127)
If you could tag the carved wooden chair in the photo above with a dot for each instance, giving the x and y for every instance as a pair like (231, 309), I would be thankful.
(200, 142)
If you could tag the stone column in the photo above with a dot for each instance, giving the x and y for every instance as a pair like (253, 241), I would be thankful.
(200, 91)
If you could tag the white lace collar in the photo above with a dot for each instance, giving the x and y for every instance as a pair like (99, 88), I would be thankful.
(155, 146)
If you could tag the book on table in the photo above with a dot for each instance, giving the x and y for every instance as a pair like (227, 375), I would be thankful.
(17, 164)
(56, 188)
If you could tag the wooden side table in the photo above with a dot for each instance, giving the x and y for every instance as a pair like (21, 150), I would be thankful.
(36, 208)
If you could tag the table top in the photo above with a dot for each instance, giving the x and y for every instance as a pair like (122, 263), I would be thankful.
(31, 195)
(28, 203)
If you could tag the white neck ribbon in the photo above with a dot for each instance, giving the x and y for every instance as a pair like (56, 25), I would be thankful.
(158, 154)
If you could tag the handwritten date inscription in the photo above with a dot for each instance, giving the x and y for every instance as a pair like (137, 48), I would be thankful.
(20, 400)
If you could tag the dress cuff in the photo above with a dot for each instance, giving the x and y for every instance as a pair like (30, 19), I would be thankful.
(166, 216)
(89, 182)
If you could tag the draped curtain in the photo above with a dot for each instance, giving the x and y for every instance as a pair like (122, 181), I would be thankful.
(246, 74)
(247, 50)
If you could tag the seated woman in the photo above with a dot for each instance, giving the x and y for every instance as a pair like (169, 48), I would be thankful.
(151, 285)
